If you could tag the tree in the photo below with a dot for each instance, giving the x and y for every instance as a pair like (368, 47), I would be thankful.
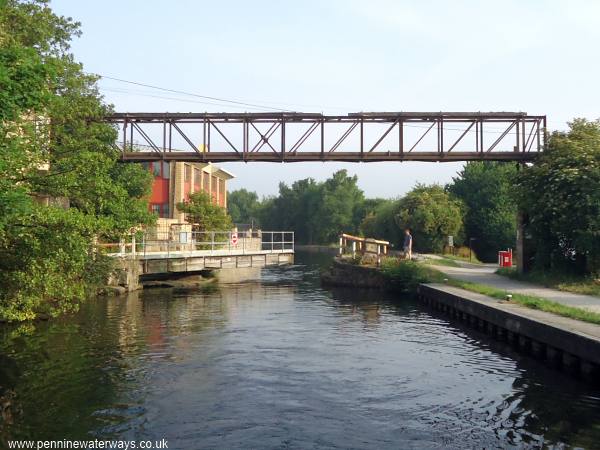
(380, 223)
(560, 195)
(204, 214)
(243, 206)
(53, 143)
(316, 212)
(341, 206)
(432, 215)
(297, 208)
(486, 190)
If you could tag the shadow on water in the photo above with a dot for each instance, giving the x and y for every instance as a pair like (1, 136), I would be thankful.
(282, 363)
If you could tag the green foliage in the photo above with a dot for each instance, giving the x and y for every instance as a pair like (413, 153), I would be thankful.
(296, 208)
(463, 253)
(485, 189)
(340, 206)
(432, 215)
(48, 112)
(405, 276)
(428, 211)
(380, 223)
(243, 206)
(317, 212)
(560, 195)
(200, 210)
(45, 256)
(23, 76)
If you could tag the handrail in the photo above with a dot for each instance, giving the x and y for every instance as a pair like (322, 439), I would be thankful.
(363, 246)
(206, 243)
(362, 239)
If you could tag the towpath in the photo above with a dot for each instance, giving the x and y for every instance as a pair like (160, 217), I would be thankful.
(484, 274)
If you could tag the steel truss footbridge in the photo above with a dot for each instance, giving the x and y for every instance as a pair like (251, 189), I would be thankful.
(356, 137)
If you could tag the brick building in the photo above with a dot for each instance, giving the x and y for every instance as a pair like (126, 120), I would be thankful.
(175, 181)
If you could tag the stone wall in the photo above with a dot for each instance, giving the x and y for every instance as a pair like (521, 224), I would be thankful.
(346, 274)
(125, 277)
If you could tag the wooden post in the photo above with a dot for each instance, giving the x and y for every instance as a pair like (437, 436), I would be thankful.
(341, 245)
(353, 249)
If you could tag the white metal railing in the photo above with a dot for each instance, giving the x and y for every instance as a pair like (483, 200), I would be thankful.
(206, 243)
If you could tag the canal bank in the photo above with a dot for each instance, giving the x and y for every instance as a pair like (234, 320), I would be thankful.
(564, 343)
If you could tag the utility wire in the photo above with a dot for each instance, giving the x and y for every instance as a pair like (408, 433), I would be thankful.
(239, 103)
(125, 91)
(224, 100)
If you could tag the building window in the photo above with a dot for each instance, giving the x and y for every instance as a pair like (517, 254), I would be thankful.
(155, 209)
(196, 179)
(156, 169)
(188, 173)
(221, 192)
(165, 210)
(213, 188)
(166, 170)
(206, 183)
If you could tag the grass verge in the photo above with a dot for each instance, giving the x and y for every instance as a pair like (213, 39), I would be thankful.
(473, 260)
(407, 275)
(442, 261)
(530, 301)
(562, 282)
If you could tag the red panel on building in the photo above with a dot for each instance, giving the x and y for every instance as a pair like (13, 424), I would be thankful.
(159, 198)
(160, 191)
(187, 181)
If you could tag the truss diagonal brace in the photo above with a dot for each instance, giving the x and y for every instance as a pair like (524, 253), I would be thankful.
(146, 137)
(183, 135)
(502, 136)
(461, 136)
(223, 136)
(384, 135)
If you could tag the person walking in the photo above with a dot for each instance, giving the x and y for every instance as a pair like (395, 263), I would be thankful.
(408, 241)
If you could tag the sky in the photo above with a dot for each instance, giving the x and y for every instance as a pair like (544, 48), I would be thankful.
(343, 56)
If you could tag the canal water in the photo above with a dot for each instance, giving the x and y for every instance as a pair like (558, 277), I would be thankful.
(282, 363)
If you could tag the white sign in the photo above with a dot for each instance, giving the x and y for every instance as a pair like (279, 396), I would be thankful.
(234, 238)
(450, 241)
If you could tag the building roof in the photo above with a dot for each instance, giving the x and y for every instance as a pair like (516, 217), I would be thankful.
(226, 174)
(222, 172)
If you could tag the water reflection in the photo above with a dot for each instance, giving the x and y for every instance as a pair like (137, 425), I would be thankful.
(281, 362)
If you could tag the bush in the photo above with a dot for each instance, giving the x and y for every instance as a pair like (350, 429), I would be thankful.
(432, 215)
(405, 276)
